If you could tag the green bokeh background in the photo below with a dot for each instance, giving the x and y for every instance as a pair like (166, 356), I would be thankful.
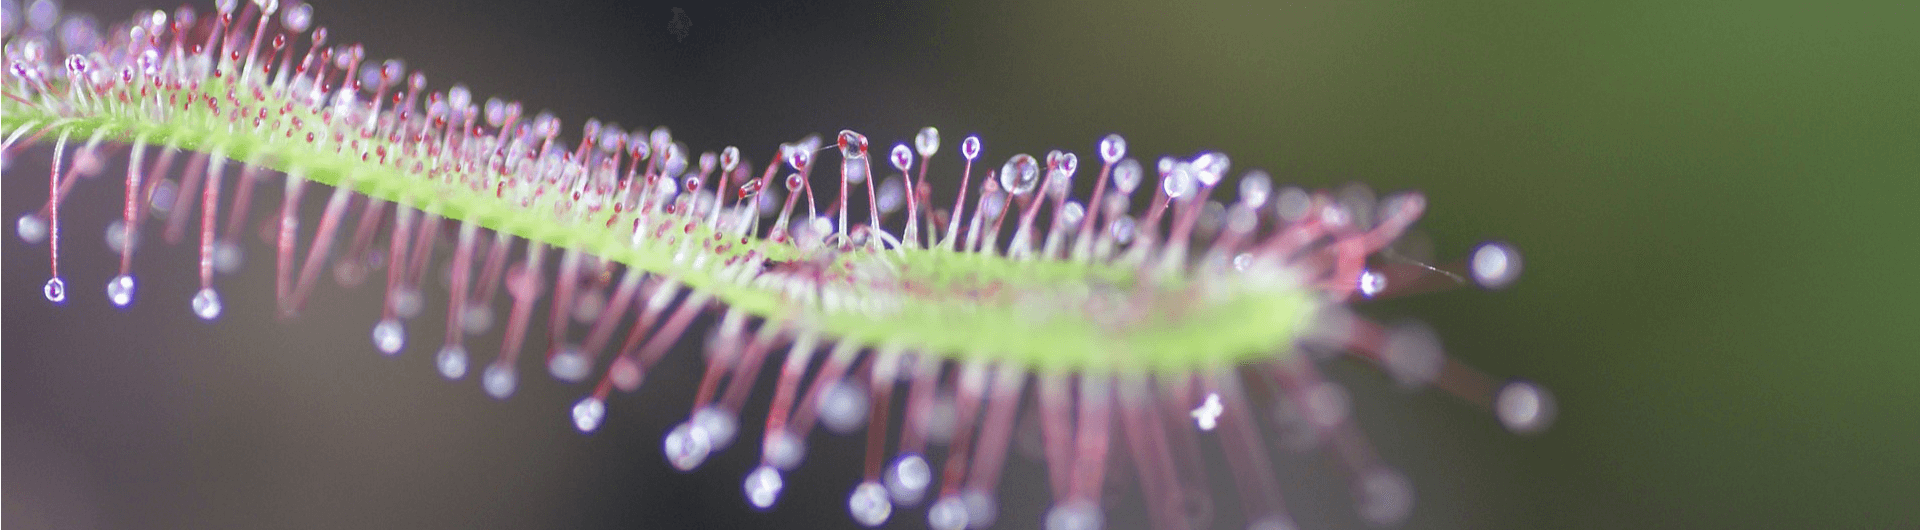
(1715, 201)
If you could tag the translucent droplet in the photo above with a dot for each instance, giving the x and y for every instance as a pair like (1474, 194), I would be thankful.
(869, 504)
(687, 446)
(902, 157)
(784, 450)
(120, 290)
(1254, 188)
(1075, 516)
(981, 508)
(1524, 407)
(719, 424)
(1210, 167)
(893, 194)
(843, 407)
(795, 181)
(1292, 203)
(853, 145)
(1112, 148)
(56, 290)
(1126, 176)
(588, 413)
(1020, 175)
(569, 364)
(1495, 265)
(763, 487)
(856, 173)
(407, 302)
(32, 228)
(298, 18)
(1072, 213)
(949, 513)
(1412, 354)
(799, 159)
(1386, 497)
(927, 142)
(499, 380)
(1372, 282)
(206, 304)
(729, 158)
(907, 479)
(226, 256)
(452, 361)
(1179, 182)
(478, 319)
(1067, 164)
(970, 148)
(388, 336)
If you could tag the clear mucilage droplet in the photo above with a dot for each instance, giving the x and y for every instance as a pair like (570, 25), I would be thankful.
(388, 336)
(687, 446)
(120, 290)
(1020, 175)
(56, 290)
(206, 304)
(32, 228)
(902, 157)
(451, 361)
(869, 504)
(570, 364)
(907, 479)
(970, 148)
(588, 413)
(1112, 148)
(1126, 176)
(499, 380)
(763, 487)
(853, 145)
(927, 142)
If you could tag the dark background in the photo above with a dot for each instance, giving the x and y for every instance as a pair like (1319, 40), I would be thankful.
(1713, 197)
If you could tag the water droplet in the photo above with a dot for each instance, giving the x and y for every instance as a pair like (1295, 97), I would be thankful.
(569, 364)
(1179, 182)
(981, 508)
(1075, 516)
(1386, 497)
(843, 407)
(56, 290)
(949, 513)
(206, 304)
(1072, 213)
(927, 142)
(1372, 282)
(869, 504)
(452, 362)
(1412, 354)
(795, 181)
(893, 194)
(729, 158)
(1122, 229)
(1112, 148)
(719, 424)
(763, 487)
(687, 446)
(32, 228)
(902, 157)
(907, 479)
(970, 148)
(298, 17)
(588, 413)
(1210, 167)
(1020, 175)
(120, 290)
(499, 380)
(226, 256)
(784, 450)
(1255, 187)
(478, 319)
(1126, 176)
(799, 158)
(1524, 407)
(1067, 163)
(1495, 265)
(388, 336)
(853, 145)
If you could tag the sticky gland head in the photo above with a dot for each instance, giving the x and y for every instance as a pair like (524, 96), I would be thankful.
(1086, 298)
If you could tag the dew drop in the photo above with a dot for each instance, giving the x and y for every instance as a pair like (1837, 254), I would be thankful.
(784, 450)
(588, 413)
(569, 364)
(1075, 516)
(763, 487)
(970, 148)
(907, 479)
(902, 157)
(927, 142)
(206, 304)
(1179, 182)
(1126, 176)
(499, 380)
(843, 407)
(687, 446)
(949, 513)
(120, 290)
(869, 504)
(452, 362)
(1495, 265)
(1210, 167)
(32, 228)
(1067, 164)
(1524, 407)
(1372, 283)
(1112, 148)
(853, 145)
(389, 337)
(56, 290)
(1020, 175)
(1386, 497)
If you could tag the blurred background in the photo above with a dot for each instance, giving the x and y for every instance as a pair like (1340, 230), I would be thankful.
(1714, 200)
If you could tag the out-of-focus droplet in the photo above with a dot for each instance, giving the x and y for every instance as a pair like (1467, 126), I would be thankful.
(1112, 147)
(120, 290)
(206, 304)
(970, 148)
(588, 413)
(1020, 175)
(388, 336)
(869, 504)
(763, 487)
(1524, 407)
(452, 361)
